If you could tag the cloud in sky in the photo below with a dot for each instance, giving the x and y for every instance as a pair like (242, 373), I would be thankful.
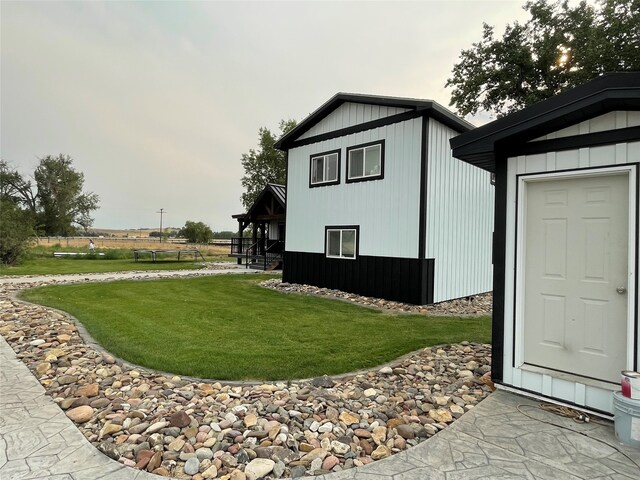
(157, 101)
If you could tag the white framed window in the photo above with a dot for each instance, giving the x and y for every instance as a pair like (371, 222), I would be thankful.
(325, 168)
(341, 242)
(365, 162)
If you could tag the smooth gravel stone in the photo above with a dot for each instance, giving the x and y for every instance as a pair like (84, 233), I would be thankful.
(405, 431)
(192, 466)
(67, 379)
(141, 427)
(259, 467)
(172, 432)
(278, 469)
(298, 471)
(180, 419)
(80, 414)
(204, 453)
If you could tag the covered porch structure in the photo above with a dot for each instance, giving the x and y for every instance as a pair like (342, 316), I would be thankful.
(265, 247)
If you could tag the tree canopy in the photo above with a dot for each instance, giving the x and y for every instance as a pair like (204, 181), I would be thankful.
(196, 232)
(54, 199)
(558, 48)
(264, 165)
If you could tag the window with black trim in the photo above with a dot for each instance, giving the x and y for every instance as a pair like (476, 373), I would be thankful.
(341, 242)
(325, 168)
(365, 162)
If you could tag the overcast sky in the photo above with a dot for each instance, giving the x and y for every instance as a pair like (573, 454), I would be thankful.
(157, 101)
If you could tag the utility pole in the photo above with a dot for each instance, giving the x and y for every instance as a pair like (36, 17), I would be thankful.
(161, 212)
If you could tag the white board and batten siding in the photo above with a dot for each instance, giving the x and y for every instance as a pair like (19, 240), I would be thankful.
(459, 223)
(386, 210)
(591, 394)
(350, 114)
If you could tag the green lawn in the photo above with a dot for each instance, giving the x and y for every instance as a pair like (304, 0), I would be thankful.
(54, 266)
(40, 261)
(227, 327)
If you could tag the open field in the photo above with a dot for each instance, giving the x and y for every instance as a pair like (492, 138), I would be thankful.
(229, 328)
(118, 257)
(81, 244)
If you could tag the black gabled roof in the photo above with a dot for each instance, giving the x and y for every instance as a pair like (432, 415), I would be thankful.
(279, 193)
(613, 91)
(429, 107)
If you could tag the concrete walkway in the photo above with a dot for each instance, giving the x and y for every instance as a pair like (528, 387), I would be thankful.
(494, 440)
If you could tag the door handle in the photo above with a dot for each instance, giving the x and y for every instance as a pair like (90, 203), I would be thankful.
(621, 290)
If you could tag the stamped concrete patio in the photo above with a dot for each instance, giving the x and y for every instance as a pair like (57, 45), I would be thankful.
(494, 440)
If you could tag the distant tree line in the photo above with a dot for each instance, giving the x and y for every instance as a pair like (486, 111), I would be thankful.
(52, 202)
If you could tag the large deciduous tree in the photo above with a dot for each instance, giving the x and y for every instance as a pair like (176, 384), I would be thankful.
(62, 205)
(264, 165)
(16, 219)
(559, 47)
(196, 232)
(55, 198)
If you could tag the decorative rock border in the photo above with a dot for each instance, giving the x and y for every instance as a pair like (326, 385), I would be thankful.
(206, 429)
(474, 305)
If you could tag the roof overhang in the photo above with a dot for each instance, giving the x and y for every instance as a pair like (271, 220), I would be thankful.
(610, 92)
(279, 194)
(426, 107)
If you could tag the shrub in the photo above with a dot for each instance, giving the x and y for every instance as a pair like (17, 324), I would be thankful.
(16, 233)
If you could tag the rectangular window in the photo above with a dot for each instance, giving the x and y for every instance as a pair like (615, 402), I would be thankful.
(342, 242)
(365, 162)
(325, 169)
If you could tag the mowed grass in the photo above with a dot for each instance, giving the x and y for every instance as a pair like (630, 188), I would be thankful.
(227, 327)
(40, 261)
(55, 266)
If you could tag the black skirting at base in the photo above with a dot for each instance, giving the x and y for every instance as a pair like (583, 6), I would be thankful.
(408, 280)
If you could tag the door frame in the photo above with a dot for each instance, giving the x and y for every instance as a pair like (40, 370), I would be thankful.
(522, 181)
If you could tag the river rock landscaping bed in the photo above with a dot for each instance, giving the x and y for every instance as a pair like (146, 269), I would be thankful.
(473, 305)
(202, 429)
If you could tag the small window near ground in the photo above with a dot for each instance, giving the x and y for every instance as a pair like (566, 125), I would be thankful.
(325, 169)
(342, 242)
(365, 162)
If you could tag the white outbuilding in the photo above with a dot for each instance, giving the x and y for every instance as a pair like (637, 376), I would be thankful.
(377, 205)
(565, 314)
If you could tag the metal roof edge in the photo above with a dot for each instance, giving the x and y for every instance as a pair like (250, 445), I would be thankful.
(547, 110)
(438, 112)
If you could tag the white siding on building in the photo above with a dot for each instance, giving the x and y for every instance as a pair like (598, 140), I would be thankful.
(386, 210)
(459, 220)
(587, 394)
(608, 121)
(350, 114)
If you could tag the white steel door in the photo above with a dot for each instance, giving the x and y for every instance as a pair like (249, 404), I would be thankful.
(576, 274)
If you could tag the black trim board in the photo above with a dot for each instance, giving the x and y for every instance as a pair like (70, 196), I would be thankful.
(408, 280)
(286, 194)
(608, 137)
(361, 127)
(607, 93)
(499, 274)
(424, 176)
(428, 107)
